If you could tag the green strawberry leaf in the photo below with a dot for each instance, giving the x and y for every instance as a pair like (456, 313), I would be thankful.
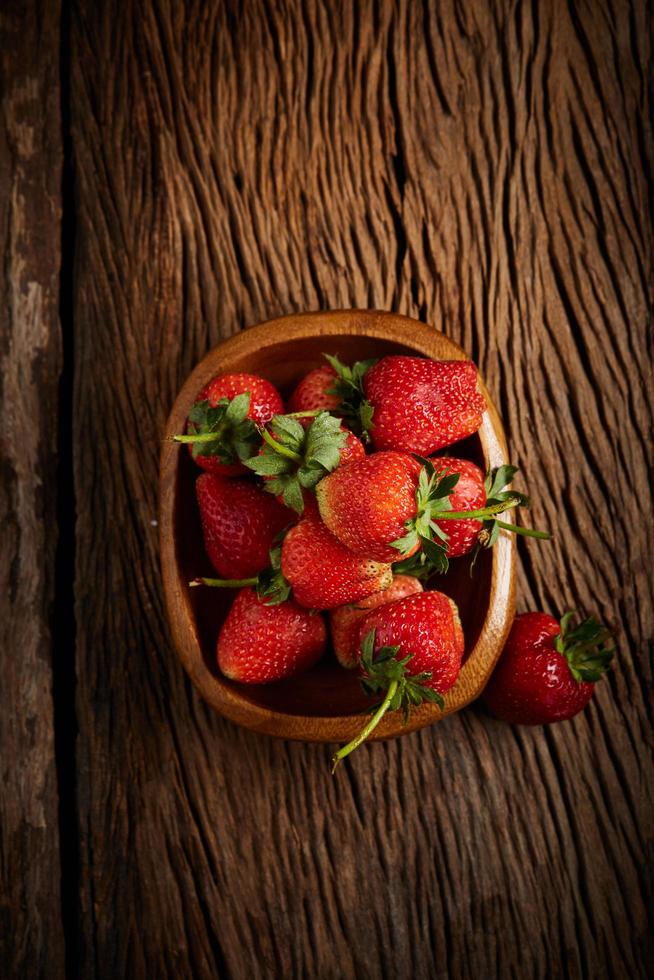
(407, 543)
(268, 463)
(366, 412)
(324, 443)
(299, 458)
(346, 376)
(585, 647)
(309, 476)
(385, 667)
(432, 498)
(438, 532)
(416, 566)
(234, 435)
(208, 417)
(498, 478)
(273, 587)
(348, 386)
(242, 447)
(436, 555)
(292, 496)
(271, 584)
(288, 432)
(237, 410)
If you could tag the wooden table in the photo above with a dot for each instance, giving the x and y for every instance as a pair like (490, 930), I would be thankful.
(171, 173)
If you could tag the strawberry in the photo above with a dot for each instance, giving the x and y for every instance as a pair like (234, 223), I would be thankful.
(322, 572)
(222, 425)
(297, 453)
(389, 504)
(411, 404)
(265, 400)
(239, 524)
(468, 493)
(411, 652)
(344, 621)
(352, 450)
(425, 625)
(367, 504)
(547, 670)
(313, 391)
(259, 643)
(422, 405)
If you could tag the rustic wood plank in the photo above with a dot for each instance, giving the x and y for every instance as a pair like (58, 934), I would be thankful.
(31, 934)
(483, 167)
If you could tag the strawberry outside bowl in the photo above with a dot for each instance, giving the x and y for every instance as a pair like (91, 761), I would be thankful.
(326, 703)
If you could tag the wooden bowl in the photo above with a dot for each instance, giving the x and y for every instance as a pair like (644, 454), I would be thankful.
(324, 704)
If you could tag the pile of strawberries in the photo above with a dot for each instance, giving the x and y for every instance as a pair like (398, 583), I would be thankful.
(338, 504)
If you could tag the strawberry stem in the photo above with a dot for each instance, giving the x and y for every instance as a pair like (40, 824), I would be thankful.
(464, 515)
(198, 437)
(370, 727)
(277, 446)
(527, 532)
(305, 415)
(224, 583)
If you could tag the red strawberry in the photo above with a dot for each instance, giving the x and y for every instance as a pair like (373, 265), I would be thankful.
(428, 627)
(366, 505)
(411, 652)
(297, 453)
(352, 450)
(547, 670)
(469, 493)
(259, 643)
(322, 572)
(265, 400)
(222, 424)
(387, 504)
(313, 391)
(239, 524)
(410, 404)
(422, 405)
(344, 621)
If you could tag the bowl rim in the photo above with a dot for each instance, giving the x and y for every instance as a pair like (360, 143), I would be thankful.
(225, 699)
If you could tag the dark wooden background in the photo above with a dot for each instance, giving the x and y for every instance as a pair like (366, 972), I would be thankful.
(169, 174)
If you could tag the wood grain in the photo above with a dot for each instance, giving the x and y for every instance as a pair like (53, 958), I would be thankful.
(486, 168)
(31, 934)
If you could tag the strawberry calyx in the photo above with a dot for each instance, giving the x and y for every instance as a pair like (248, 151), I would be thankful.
(223, 430)
(585, 647)
(433, 504)
(432, 499)
(418, 565)
(385, 672)
(270, 583)
(295, 458)
(348, 386)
